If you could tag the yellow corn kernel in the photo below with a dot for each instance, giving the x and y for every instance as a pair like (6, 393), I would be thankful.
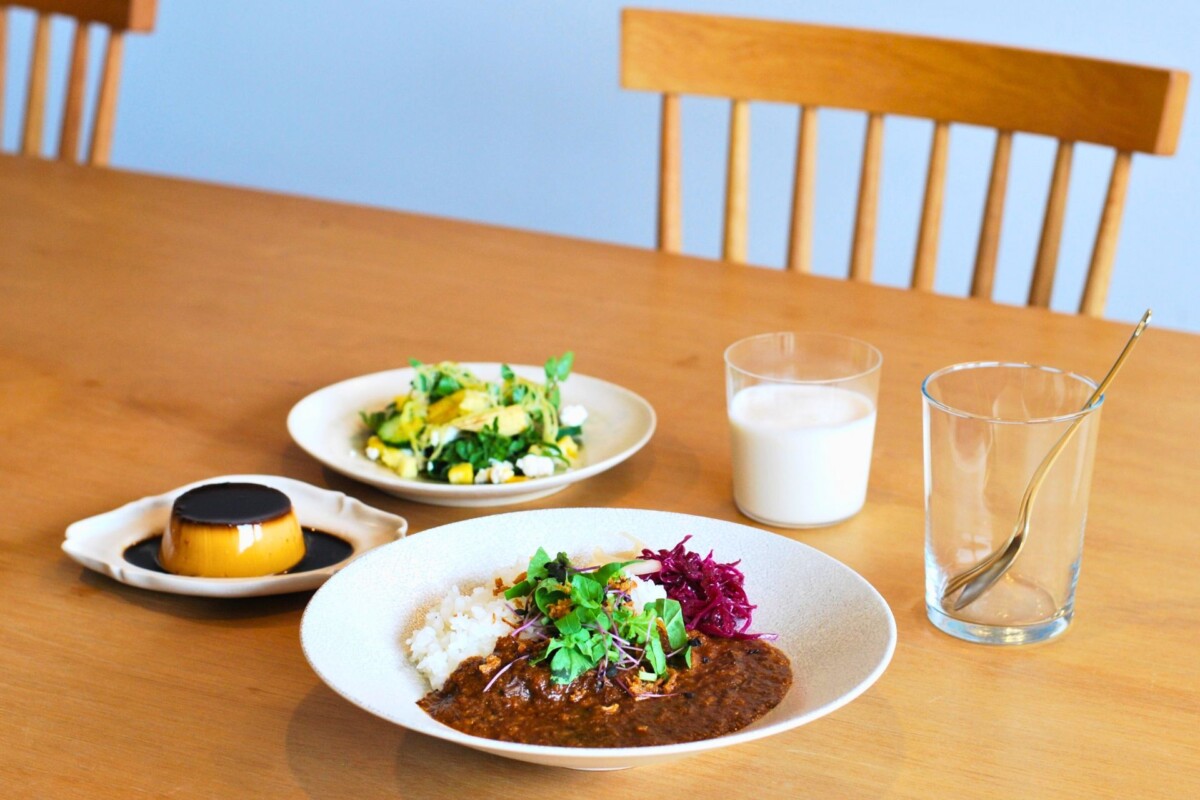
(461, 473)
(404, 464)
(517, 479)
(569, 449)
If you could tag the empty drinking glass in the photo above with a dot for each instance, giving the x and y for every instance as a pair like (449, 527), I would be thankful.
(988, 426)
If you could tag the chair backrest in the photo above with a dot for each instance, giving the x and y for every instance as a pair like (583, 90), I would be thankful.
(1129, 108)
(119, 16)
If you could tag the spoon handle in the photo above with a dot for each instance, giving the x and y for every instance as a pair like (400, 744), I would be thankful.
(1112, 372)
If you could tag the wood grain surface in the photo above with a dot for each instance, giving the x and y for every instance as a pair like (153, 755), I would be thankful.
(1126, 106)
(155, 332)
(134, 15)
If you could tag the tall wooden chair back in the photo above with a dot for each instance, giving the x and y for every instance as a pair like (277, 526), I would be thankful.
(119, 16)
(1129, 108)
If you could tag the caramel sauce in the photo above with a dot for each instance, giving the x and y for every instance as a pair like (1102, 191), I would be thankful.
(321, 550)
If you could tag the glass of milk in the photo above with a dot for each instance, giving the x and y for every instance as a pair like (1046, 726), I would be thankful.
(802, 419)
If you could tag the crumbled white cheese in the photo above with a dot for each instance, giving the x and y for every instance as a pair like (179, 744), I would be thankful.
(571, 416)
(443, 435)
(535, 466)
(498, 472)
(373, 453)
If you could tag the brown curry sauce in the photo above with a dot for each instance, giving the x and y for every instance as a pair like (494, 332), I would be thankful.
(731, 683)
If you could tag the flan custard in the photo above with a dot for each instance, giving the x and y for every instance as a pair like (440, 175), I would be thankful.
(231, 530)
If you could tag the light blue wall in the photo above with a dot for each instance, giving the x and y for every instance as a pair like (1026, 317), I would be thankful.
(509, 112)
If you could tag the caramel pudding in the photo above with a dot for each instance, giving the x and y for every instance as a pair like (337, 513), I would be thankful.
(231, 530)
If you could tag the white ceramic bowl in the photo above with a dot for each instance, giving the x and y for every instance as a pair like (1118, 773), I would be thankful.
(835, 628)
(326, 425)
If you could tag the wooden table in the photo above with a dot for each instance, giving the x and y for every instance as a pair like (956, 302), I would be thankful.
(154, 332)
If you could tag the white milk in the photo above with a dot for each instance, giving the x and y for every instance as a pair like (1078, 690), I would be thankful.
(801, 453)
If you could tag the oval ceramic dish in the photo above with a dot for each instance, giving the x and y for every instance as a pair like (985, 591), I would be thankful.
(835, 628)
(326, 425)
(118, 543)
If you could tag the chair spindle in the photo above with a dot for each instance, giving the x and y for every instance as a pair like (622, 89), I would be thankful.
(3, 62)
(804, 193)
(862, 252)
(106, 100)
(72, 122)
(1052, 227)
(925, 263)
(670, 194)
(35, 102)
(993, 216)
(737, 183)
(1104, 251)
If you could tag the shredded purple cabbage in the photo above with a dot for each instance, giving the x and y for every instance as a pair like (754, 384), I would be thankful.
(709, 593)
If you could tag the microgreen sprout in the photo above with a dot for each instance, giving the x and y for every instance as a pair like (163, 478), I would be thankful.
(588, 615)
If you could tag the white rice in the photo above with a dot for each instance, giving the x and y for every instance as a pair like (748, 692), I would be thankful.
(460, 627)
(465, 625)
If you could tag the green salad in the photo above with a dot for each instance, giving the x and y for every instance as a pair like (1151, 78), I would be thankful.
(455, 427)
(590, 620)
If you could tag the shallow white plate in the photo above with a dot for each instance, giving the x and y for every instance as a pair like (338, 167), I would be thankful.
(327, 426)
(100, 543)
(835, 628)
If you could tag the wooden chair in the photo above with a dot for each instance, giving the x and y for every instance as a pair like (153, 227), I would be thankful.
(119, 16)
(1129, 108)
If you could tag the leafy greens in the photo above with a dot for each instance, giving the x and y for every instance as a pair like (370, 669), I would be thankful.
(589, 619)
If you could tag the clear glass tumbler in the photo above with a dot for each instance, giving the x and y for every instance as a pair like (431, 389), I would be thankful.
(802, 421)
(987, 428)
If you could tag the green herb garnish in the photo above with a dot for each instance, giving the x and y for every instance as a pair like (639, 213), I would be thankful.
(590, 620)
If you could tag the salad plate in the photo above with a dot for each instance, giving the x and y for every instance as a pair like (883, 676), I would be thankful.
(326, 424)
(836, 630)
(122, 543)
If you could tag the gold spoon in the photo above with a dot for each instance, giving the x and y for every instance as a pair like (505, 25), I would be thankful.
(979, 578)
